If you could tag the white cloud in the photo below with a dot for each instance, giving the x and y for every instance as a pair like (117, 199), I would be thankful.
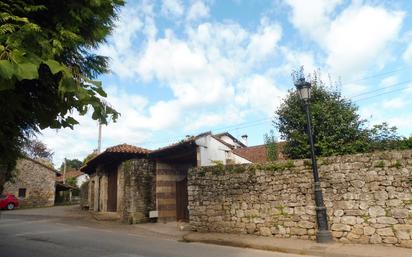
(389, 81)
(358, 37)
(353, 39)
(197, 11)
(353, 89)
(394, 103)
(260, 93)
(407, 55)
(173, 8)
(312, 18)
(263, 43)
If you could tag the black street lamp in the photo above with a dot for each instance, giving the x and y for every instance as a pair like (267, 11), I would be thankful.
(323, 235)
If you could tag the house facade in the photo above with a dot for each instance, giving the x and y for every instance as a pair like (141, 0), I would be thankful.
(135, 182)
(34, 183)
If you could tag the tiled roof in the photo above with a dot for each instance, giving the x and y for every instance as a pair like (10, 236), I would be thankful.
(182, 142)
(258, 153)
(125, 148)
(70, 174)
(255, 154)
(117, 149)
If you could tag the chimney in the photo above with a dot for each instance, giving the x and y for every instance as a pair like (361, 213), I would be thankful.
(244, 139)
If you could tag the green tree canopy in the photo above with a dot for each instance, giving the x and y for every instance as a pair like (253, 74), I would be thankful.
(271, 146)
(338, 128)
(89, 157)
(71, 164)
(47, 67)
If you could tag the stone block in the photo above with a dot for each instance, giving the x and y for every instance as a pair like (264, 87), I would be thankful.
(386, 220)
(406, 243)
(400, 213)
(350, 220)
(250, 228)
(306, 224)
(338, 213)
(265, 231)
(385, 232)
(337, 234)
(376, 211)
(368, 231)
(340, 227)
(390, 240)
(298, 231)
(375, 239)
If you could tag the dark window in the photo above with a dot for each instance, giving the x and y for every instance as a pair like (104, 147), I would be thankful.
(3, 196)
(22, 192)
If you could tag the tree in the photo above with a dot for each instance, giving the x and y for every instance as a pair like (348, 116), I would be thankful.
(47, 70)
(36, 149)
(71, 181)
(73, 164)
(338, 129)
(271, 146)
(89, 157)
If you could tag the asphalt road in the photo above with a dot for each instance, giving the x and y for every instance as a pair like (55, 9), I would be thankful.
(42, 236)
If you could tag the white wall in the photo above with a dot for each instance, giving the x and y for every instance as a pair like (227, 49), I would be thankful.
(229, 140)
(81, 179)
(211, 150)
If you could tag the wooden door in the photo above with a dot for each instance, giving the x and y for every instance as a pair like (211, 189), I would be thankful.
(182, 213)
(112, 191)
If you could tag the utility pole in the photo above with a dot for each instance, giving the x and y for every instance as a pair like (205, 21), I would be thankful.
(64, 171)
(99, 140)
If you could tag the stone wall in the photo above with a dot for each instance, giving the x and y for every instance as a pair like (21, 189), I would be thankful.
(37, 179)
(368, 198)
(138, 190)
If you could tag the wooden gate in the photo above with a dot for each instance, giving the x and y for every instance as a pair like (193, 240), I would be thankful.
(182, 213)
(112, 191)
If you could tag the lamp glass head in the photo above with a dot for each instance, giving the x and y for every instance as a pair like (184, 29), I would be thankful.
(304, 89)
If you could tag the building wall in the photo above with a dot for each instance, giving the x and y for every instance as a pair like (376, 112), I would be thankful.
(135, 189)
(212, 151)
(138, 190)
(38, 181)
(81, 179)
(368, 198)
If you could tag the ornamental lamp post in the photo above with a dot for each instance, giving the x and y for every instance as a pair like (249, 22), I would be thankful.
(323, 235)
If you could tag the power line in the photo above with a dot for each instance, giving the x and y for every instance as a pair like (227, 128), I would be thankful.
(248, 124)
(380, 89)
(377, 75)
(384, 93)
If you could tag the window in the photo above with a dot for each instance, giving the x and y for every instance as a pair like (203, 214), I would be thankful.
(22, 192)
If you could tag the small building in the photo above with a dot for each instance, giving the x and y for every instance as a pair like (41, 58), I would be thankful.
(133, 181)
(34, 183)
(119, 186)
(77, 175)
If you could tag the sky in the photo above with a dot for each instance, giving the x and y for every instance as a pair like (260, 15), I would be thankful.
(185, 67)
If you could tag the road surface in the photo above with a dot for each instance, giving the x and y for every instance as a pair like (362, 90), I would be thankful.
(28, 234)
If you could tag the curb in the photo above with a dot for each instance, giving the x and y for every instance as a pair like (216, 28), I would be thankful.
(322, 250)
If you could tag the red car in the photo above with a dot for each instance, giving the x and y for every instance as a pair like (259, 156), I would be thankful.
(8, 202)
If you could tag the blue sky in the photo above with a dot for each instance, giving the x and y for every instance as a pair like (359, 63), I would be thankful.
(184, 67)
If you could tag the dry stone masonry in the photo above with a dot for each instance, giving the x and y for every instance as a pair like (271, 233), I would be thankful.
(368, 198)
(36, 179)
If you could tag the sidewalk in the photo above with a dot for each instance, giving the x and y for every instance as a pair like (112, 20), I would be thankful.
(296, 246)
